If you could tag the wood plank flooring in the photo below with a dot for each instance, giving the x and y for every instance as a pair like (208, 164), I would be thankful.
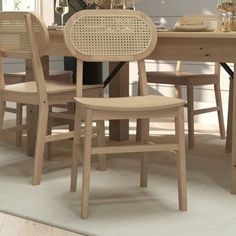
(15, 226)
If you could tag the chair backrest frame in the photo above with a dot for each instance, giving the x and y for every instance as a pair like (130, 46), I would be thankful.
(110, 35)
(16, 33)
(23, 35)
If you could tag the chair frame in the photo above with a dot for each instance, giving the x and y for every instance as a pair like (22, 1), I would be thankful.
(40, 92)
(190, 80)
(180, 78)
(90, 110)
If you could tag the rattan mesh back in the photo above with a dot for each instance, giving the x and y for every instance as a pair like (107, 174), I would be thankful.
(14, 32)
(112, 35)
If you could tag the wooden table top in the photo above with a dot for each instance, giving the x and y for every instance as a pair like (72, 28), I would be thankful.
(188, 46)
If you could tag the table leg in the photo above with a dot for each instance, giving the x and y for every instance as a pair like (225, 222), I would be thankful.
(119, 87)
(233, 174)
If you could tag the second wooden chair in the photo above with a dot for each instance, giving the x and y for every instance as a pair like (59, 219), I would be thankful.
(190, 80)
(25, 36)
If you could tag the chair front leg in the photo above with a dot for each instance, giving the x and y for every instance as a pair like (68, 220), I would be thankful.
(86, 165)
(76, 150)
(40, 142)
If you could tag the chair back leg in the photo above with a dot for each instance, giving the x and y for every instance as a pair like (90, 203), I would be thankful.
(102, 165)
(144, 130)
(76, 151)
(48, 146)
(220, 110)
(40, 142)
(178, 91)
(190, 111)
(228, 146)
(86, 165)
(181, 160)
(19, 111)
(2, 112)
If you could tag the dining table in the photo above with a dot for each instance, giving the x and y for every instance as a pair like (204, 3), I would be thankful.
(185, 46)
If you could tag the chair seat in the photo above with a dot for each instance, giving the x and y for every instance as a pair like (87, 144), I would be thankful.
(136, 103)
(51, 73)
(26, 92)
(180, 78)
(179, 74)
(30, 87)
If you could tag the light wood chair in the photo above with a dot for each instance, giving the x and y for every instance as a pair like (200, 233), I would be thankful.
(114, 35)
(190, 80)
(23, 35)
(19, 77)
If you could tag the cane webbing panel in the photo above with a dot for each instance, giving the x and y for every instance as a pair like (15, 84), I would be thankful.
(110, 35)
(14, 35)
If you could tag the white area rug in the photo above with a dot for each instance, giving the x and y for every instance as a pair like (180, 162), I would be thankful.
(118, 205)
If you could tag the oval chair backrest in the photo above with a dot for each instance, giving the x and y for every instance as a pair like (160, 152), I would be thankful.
(110, 35)
(19, 31)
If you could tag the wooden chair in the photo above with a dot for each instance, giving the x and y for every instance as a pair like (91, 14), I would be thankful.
(116, 35)
(19, 77)
(23, 35)
(190, 80)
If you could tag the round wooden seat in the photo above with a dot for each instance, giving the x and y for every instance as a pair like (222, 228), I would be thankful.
(136, 103)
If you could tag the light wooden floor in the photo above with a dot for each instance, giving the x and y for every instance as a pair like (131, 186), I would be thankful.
(15, 226)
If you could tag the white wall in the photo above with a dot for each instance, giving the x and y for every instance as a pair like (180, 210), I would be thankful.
(173, 8)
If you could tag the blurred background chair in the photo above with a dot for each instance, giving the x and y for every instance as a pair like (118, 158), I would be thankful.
(23, 35)
(181, 78)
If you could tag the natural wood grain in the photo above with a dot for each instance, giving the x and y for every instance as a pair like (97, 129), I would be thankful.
(138, 107)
